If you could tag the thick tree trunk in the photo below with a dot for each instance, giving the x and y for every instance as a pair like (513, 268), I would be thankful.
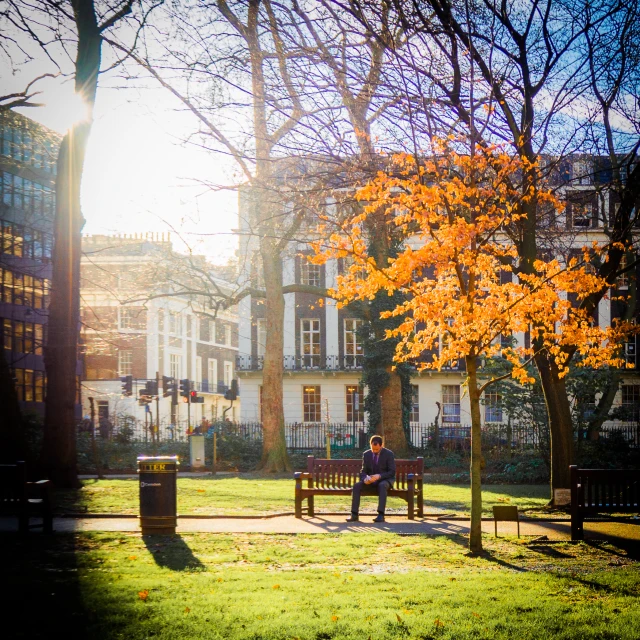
(274, 452)
(475, 527)
(560, 423)
(391, 406)
(12, 442)
(58, 457)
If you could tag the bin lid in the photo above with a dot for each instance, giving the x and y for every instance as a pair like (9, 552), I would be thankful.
(160, 458)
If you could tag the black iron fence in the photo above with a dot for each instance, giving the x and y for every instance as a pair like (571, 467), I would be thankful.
(303, 437)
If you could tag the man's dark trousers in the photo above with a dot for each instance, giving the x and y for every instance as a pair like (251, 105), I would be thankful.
(384, 464)
(382, 486)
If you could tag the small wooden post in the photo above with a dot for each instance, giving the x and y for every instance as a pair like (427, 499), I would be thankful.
(328, 446)
(215, 452)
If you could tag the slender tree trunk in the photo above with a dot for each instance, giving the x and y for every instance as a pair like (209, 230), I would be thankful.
(391, 406)
(560, 423)
(475, 528)
(12, 442)
(274, 453)
(58, 457)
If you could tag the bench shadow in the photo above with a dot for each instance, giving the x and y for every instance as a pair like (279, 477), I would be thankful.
(546, 550)
(172, 552)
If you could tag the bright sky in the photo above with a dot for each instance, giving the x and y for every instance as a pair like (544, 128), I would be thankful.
(140, 176)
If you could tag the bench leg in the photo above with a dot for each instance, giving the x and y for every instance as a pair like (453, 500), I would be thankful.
(298, 507)
(420, 505)
(577, 527)
(410, 506)
(312, 512)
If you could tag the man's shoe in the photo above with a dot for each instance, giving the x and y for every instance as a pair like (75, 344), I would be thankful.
(353, 518)
(379, 518)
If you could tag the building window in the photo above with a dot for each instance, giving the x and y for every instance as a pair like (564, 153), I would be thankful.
(415, 404)
(188, 320)
(582, 172)
(631, 401)
(451, 403)
(221, 333)
(125, 362)
(199, 372)
(160, 321)
(175, 366)
(130, 318)
(212, 370)
(228, 373)
(227, 334)
(309, 273)
(22, 337)
(353, 353)
(311, 403)
(212, 330)
(622, 281)
(175, 323)
(261, 337)
(29, 385)
(581, 214)
(492, 406)
(354, 396)
(310, 343)
(22, 289)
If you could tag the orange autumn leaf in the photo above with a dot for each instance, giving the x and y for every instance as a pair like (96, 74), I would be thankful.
(143, 595)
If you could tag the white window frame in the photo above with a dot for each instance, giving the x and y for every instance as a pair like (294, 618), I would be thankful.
(261, 337)
(317, 407)
(175, 323)
(126, 319)
(198, 376)
(350, 391)
(353, 349)
(450, 400)
(493, 412)
(212, 368)
(310, 274)
(175, 365)
(415, 404)
(125, 362)
(585, 217)
(310, 349)
(228, 373)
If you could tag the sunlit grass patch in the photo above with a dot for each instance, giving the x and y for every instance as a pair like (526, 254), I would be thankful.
(256, 495)
(315, 587)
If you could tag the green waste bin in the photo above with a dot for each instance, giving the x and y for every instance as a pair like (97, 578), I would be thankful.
(158, 494)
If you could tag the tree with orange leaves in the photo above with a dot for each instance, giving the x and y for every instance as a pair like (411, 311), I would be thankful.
(452, 212)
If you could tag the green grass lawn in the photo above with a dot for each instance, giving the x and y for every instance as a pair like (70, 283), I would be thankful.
(315, 587)
(256, 495)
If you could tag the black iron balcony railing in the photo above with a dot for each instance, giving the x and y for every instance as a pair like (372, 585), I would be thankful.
(303, 363)
(211, 387)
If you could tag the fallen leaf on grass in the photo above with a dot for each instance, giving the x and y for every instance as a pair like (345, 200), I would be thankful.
(200, 490)
(477, 615)
(220, 580)
(276, 586)
(143, 595)
(187, 610)
(334, 618)
(133, 557)
(399, 618)
(438, 623)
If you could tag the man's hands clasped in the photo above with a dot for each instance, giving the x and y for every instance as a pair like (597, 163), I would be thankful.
(372, 479)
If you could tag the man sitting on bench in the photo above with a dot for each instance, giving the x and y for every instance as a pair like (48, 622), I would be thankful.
(378, 472)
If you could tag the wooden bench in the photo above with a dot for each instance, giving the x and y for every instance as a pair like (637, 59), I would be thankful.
(25, 499)
(337, 477)
(595, 491)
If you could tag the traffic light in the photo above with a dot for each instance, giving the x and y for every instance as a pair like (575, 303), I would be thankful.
(127, 385)
(150, 388)
(185, 388)
(232, 392)
(168, 386)
(194, 397)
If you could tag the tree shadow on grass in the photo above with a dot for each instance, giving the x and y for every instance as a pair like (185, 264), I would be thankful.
(547, 550)
(41, 585)
(172, 552)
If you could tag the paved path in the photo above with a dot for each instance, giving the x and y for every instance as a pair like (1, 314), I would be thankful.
(629, 531)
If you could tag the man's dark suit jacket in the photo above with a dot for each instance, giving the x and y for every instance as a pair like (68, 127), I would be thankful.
(386, 464)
